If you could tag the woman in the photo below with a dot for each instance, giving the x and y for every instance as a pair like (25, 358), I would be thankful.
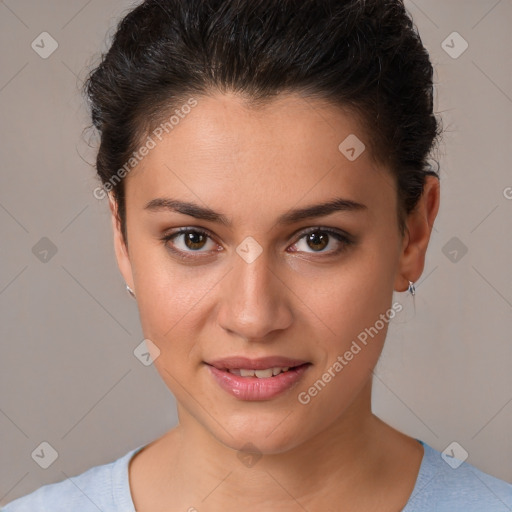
(267, 169)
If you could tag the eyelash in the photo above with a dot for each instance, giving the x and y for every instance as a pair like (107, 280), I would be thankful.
(345, 239)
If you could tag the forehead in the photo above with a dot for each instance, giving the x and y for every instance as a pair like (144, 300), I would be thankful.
(223, 152)
(224, 127)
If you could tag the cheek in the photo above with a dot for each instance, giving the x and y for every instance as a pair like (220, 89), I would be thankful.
(174, 302)
(357, 311)
(169, 306)
(354, 294)
(166, 293)
(355, 303)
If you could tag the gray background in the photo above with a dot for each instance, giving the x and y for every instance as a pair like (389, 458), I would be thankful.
(68, 375)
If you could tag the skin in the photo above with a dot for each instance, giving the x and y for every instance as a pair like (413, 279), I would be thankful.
(252, 166)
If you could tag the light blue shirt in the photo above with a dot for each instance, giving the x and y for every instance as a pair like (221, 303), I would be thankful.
(438, 488)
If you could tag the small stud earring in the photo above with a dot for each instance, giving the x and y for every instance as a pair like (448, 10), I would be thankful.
(130, 291)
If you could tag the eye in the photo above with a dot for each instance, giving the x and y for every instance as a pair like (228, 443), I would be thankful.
(188, 240)
(319, 239)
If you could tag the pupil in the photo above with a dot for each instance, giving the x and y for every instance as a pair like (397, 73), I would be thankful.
(318, 239)
(190, 236)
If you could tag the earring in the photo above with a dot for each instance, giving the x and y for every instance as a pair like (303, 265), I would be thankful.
(412, 288)
(130, 291)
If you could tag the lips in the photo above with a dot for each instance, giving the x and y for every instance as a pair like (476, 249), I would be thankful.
(257, 379)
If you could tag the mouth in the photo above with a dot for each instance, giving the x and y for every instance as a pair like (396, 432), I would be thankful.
(260, 374)
(257, 379)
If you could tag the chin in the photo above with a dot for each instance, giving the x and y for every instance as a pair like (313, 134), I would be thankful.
(265, 436)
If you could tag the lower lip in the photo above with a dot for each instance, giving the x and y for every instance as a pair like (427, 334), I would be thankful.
(254, 388)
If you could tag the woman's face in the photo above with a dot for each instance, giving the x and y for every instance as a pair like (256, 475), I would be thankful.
(257, 285)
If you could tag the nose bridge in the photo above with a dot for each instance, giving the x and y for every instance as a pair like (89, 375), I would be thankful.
(253, 299)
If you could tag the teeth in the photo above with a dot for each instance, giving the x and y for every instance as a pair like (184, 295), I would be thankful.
(261, 374)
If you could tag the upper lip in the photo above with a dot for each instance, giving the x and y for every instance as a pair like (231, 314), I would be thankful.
(262, 363)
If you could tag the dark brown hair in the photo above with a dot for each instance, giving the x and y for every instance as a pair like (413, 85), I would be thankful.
(364, 56)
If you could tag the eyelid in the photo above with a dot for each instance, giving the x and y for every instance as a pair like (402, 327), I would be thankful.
(346, 240)
(332, 230)
(168, 234)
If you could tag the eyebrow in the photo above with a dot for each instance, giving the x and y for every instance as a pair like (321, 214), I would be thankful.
(337, 204)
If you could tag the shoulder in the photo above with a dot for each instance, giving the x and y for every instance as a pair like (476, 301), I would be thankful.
(103, 487)
(446, 484)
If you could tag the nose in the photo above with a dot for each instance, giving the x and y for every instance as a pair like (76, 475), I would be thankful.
(254, 300)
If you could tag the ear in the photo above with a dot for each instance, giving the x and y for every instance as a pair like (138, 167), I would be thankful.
(122, 256)
(419, 227)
